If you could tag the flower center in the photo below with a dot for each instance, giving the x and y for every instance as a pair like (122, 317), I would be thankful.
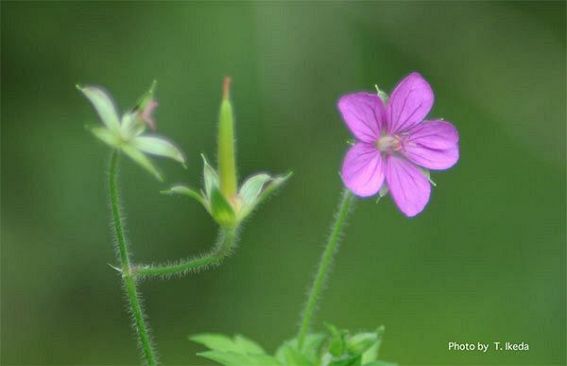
(389, 144)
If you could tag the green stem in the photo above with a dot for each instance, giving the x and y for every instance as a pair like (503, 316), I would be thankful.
(324, 266)
(223, 248)
(128, 280)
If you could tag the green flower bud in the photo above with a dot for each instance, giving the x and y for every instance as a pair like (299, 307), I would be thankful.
(226, 149)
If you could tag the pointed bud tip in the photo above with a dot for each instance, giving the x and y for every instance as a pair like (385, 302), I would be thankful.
(226, 87)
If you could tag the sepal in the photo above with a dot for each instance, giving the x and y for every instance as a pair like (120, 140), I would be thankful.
(221, 210)
(255, 190)
(187, 191)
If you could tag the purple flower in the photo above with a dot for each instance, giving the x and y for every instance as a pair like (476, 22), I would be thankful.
(395, 145)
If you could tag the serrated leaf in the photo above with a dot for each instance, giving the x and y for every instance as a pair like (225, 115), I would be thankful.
(238, 359)
(248, 345)
(238, 344)
(214, 341)
(220, 208)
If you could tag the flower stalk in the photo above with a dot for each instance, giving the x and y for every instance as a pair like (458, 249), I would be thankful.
(225, 244)
(323, 269)
(129, 283)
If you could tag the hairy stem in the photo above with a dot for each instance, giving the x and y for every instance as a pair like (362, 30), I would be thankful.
(129, 282)
(324, 266)
(225, 243)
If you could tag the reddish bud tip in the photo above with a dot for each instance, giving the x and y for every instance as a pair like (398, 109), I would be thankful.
(226, 87)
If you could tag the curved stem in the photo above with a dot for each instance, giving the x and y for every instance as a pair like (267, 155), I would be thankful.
(128, 280)
(223, 248)
(324, 266)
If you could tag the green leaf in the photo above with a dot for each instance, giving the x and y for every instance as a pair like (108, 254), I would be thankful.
(220, 208)
(210, 176)
(289, 355)
(142, 160)
(346, 360)
(184, 190)
(239, 359)
(238, 344)
(337, 344)
(237, 351)
(365, 344)
(214, 341)
(248, 345)
(103, 105)
(380, 363)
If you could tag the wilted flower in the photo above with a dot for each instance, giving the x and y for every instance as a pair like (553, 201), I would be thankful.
(127, 133)
(395, 143)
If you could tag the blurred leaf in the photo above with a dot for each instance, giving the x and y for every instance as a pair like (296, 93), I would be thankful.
(346, 360)
(362, 342)
(224, 343)
(248, 345)
(367, 343)
(380, 363)
(239, 359)
(288, 353)
(237, 351)
(214, 341)
(337, 344)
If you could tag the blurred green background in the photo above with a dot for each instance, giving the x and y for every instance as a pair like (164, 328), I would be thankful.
(484, 262)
